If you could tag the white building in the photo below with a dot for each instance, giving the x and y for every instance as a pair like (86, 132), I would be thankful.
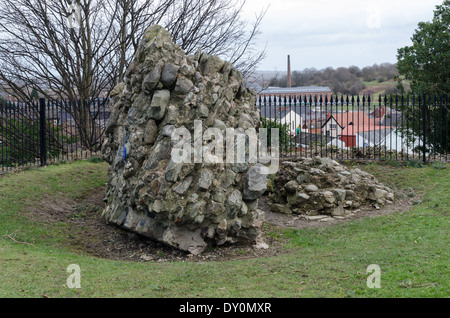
(391, 139)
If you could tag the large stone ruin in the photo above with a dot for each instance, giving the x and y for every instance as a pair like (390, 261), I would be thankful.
(185, 205)
(322, 186)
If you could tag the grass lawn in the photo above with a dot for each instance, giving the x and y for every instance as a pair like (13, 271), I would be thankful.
(411, 248)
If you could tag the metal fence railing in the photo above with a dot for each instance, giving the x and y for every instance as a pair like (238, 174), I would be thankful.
(44, 131)
(406, 127)
(340, 127)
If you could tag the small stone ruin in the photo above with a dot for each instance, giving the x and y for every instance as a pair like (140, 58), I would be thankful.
(188, 205)
(322, 186)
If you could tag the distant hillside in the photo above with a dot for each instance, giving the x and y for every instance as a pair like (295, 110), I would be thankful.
(375, 88)
(374, 80)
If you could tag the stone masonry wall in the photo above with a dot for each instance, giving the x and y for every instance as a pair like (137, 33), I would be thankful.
(185, 205)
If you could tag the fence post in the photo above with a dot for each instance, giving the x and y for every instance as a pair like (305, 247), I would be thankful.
(424, 105)
(43, 132)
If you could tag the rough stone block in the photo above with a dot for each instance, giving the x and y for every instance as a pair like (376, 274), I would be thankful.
(190, 204)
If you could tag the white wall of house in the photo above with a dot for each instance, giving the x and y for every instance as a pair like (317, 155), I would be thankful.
(395, 141)
(362, 142)
(293, 120)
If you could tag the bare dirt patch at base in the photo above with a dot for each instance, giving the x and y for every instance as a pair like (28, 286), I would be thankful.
(87, 233)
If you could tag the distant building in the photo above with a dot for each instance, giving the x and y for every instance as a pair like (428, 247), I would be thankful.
(289, 116)
(356, 129)
(299, 117)
(336, 123)
(363, 136)
(371, 138)
(392, 118)
(401, 140)
(301, 91)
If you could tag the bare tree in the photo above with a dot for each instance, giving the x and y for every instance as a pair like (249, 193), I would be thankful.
(130, 22)
(260, 81)
(214, 26)
(40, 50)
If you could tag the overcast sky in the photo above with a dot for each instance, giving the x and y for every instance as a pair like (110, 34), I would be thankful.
(321, 33)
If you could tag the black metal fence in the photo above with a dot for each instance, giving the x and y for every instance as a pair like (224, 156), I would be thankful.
(397, 128)
(340, 127)
(45, 131)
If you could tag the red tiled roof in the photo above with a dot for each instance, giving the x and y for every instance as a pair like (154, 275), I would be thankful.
(351, 130)
(357, 118)
(352, 122)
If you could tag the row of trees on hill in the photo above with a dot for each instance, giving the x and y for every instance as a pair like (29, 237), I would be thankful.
(343, 80)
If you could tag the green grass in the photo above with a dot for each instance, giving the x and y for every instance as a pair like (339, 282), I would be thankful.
(374, 83)
(24, 191)
(378, 88)
(411, 249)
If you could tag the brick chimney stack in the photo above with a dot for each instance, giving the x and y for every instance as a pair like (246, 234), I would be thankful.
(289, 79)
